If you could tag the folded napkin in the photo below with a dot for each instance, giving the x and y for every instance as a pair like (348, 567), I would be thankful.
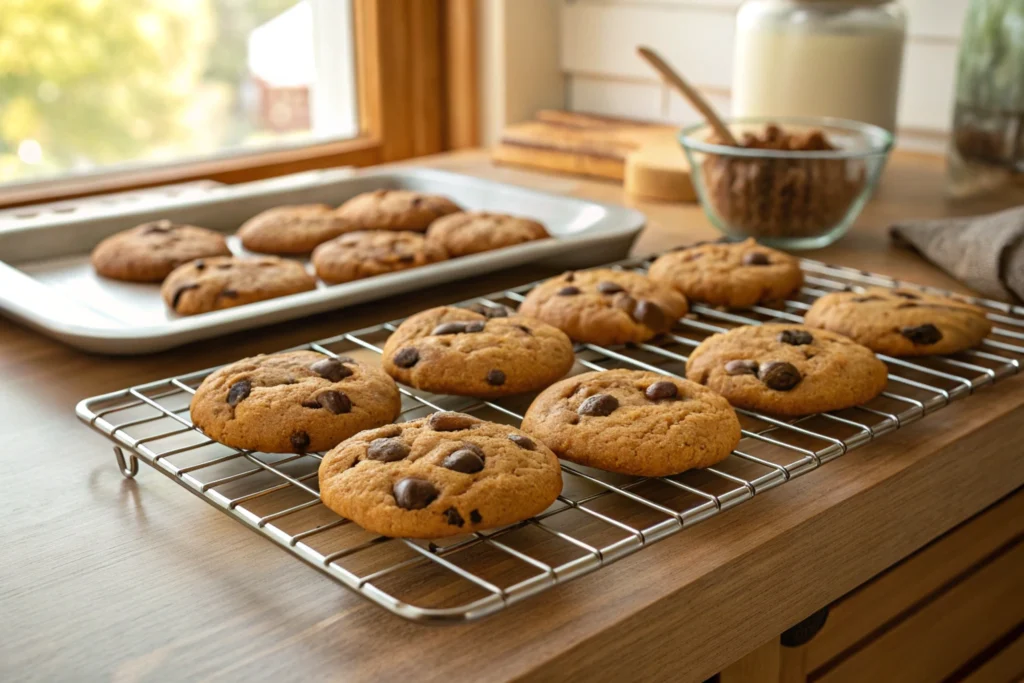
(986, 253)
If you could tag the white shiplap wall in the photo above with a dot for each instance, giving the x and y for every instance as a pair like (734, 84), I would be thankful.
(604, 75)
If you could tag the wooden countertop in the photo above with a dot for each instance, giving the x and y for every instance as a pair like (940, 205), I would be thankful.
(102, 577)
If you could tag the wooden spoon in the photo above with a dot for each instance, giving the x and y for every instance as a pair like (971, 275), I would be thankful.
(690, 93)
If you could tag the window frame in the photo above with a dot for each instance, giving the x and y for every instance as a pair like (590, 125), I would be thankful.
(415, 64)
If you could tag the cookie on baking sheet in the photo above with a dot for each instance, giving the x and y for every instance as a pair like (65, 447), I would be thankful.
(634, 422)
(294, 402)
(448, 350)
(396, 210)
(149, 252)
(787, 369)
(226, 281)
(901, 322)
(443, 475)
(605, 306)
(373, 252)
(737, 275)
(292, 229)
(472, 232)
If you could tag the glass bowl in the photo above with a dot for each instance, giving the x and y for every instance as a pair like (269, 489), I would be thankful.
(802, 198)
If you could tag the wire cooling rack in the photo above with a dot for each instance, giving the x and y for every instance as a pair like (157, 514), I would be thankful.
(599, 518)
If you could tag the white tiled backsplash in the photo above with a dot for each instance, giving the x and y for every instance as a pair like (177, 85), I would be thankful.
(604, 75)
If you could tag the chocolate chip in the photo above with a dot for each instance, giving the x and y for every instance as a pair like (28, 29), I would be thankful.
(756, 258)
(300, 441)
(523, 442)
(417, 201)
(649, 314)
(863, 299)
(449, 328)
(238, 392)
(475, 326)
(331, 369)
(414, 494)
(407, 357)
(922, 334)
(453, 517)
(474, 516)
(406, 258)
(473, 447)
(448, 421)
(179, 291)
(661, 390)
(463, 460)
(569, 291)
(311, 403)
(199, 264)
(346, 359)
(491, 311)
(795, 337)
(607, 287)
(599, 405)
(570, 276)
(335, 401)
(741, 367)
(905, 295)
(387, 450)
(495, 378)
(626, 303)
(779, 375)
(228, 294)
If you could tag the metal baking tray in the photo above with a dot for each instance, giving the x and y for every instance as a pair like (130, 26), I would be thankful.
(46, 280)
(599, 518)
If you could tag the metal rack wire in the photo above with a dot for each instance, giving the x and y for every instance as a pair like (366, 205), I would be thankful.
(599, 518)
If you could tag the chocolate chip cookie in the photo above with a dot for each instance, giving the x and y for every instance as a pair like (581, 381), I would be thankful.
(901, 322)
(294, 402)
(395, 210)
(226, 281)
(634, 422)
(787, 369)
(472, 232)
(737, 275)
(450, 350)
(605, 306)
(149, 252)
(373, 252)
(443, 475)
(292, 229)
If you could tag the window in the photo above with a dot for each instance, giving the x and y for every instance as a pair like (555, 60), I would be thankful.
(97, 95)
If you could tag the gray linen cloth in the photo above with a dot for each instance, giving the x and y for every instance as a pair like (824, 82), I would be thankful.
(986, 253)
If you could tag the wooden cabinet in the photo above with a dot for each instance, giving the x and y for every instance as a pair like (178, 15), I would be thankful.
(952, 611)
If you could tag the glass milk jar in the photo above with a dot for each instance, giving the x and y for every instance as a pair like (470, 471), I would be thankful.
(838, 58)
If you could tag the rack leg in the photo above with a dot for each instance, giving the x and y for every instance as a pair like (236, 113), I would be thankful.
(128, 469)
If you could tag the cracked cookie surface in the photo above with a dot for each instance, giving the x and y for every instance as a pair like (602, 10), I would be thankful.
(473, 232)
(367, 253)
(292, 229)
(605, 306)
(449, 350)
(442, 475)
(902, 321)
(634, 422)
(785, 369)
(149, 252)
(293, 402)
(396, 210)
(737, 275)
(226, 281)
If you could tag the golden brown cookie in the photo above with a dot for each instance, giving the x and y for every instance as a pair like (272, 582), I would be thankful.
(395, 210)
(472, 232)
(787, 369)
(149, 252)
(292, 229)
(901, 322)
(294, 402)
(605, 306)
(226, 281)
(439, 476)
(449, 350)
(738, 275)
(373, 252)
(634, 422)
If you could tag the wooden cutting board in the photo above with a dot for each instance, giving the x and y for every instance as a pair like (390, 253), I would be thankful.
(645, 157)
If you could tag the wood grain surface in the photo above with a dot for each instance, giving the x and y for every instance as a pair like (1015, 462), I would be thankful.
(107, 579)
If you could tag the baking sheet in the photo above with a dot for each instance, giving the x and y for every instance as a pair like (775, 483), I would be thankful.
(47, 282)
